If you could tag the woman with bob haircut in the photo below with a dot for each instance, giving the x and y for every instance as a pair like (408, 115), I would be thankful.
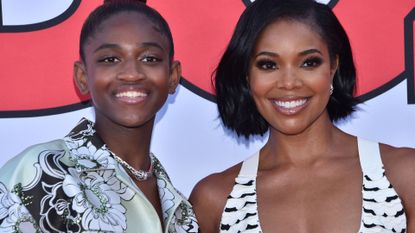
(288, 70)
(102, 176)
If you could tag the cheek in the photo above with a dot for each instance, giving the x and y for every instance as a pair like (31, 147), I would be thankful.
(261, 84)
(256, 90)
(160, 77)
(98, 85)
(259, 89)
(318, 81)
(96, 82)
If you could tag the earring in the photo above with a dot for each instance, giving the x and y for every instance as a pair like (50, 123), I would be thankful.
(331, 89)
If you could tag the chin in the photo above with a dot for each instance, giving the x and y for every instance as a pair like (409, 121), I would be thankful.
(292, 130)
(137, 122)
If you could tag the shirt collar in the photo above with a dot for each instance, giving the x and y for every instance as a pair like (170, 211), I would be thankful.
(90, 154)
(88, 151)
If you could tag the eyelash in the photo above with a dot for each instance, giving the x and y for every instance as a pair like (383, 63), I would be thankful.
(109, 59)
(145, 59)
(309, 63)
(151, 59)
(266, 65)
(312, 62)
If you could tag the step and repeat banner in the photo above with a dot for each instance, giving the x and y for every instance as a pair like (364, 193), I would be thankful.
(39, 102)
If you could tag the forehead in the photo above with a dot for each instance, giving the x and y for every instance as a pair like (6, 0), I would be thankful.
(289, 33)
(125, 26)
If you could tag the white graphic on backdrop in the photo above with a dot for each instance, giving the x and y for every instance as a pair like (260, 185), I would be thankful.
(22, 12)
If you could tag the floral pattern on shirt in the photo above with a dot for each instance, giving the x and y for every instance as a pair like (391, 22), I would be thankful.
(76, 189)
(13, 212)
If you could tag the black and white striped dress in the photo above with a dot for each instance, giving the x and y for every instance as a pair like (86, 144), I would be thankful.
(382, 209)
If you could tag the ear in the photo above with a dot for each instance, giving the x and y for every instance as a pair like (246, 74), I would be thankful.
(175, 74)
(80, 77)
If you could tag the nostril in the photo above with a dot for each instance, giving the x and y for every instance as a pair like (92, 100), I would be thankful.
(289, 82)
(130, 76)
(130, 72)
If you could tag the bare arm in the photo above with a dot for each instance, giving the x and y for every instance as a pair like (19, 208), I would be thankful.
(209, 197)
(400, 168)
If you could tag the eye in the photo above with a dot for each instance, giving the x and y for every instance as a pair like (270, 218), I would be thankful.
(150, 59)
(312, 62)
(266, 65)
(109, 59)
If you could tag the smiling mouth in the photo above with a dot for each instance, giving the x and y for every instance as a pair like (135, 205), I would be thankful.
(131, 97)
(290, 106)
(131, 94)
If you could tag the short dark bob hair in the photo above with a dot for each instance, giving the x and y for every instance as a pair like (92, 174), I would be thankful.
(113, 7)
(236, 106)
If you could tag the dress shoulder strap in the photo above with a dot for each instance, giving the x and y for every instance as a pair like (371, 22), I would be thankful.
(369, 155)
(382, 209)
(250, 166)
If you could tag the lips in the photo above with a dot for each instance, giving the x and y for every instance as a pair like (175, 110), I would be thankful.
(289, 106)
(131, 96)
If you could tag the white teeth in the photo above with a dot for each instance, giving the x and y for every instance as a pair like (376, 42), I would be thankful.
(131, 94)
(290, 104)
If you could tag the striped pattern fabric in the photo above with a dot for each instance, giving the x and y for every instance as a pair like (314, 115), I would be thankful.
(382, 209)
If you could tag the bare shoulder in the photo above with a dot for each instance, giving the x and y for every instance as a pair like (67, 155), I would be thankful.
(217, 183)
(215, 187)
(400, 168)
(209, 197)
(399, 161)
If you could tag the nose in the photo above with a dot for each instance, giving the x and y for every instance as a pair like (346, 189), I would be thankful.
(130, 71)
(289, 79)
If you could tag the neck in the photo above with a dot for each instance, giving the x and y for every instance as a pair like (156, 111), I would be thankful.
(131, 144)
(317, 142)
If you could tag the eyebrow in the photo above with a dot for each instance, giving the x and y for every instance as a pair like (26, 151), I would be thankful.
(309, 51)
(106, 46)
(152, 44)
(270, 54)
(302, 53)
(142, 45)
